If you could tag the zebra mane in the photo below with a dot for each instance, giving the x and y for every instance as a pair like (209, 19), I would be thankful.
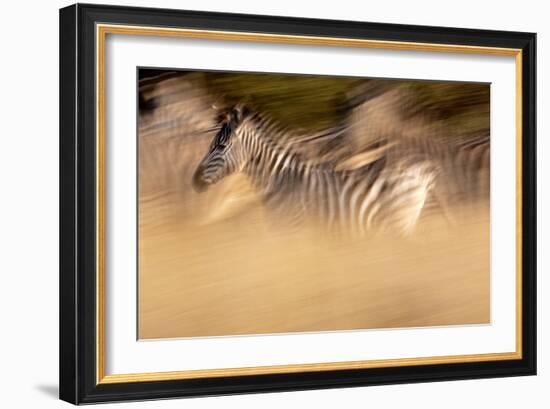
(287, 140)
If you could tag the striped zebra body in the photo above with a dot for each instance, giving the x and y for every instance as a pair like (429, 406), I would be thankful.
(382, 194)
(472, 167)
(463, 169)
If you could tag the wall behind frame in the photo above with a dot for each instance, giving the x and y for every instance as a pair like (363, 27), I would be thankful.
(29, 205)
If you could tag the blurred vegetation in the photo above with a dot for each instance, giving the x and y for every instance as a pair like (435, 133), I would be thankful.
(300, 101)
(464, 106)
(317, 102)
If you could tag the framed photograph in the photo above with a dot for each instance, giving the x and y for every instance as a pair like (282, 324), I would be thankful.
(258, 204)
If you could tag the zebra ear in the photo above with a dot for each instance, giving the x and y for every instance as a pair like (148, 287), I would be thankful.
(218, 103)
(240, 112)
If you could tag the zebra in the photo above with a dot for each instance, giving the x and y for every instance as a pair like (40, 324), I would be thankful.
(382, 116)
(463, 170)
(471, 165)
(382, 194)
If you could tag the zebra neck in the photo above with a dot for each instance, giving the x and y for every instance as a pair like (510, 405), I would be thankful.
(270, 164)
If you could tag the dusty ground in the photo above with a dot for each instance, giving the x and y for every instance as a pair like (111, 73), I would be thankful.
(245, 277)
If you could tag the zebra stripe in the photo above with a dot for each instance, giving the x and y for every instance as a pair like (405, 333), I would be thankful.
(383, 193)
(463, 168)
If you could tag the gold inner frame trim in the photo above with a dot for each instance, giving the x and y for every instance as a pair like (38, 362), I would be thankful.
(101, 33)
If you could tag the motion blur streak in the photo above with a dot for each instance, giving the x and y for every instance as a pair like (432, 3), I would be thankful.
(217, 258)
(381, 192)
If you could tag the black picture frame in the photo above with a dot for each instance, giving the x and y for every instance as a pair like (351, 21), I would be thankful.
(78, 360)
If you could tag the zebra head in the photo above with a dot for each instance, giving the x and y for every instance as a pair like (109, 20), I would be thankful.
(226, 154)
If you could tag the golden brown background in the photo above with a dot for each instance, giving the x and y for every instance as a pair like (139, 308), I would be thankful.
(213, 264)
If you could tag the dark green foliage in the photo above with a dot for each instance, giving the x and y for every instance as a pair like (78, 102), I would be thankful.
(318, 102)
(310, 102)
